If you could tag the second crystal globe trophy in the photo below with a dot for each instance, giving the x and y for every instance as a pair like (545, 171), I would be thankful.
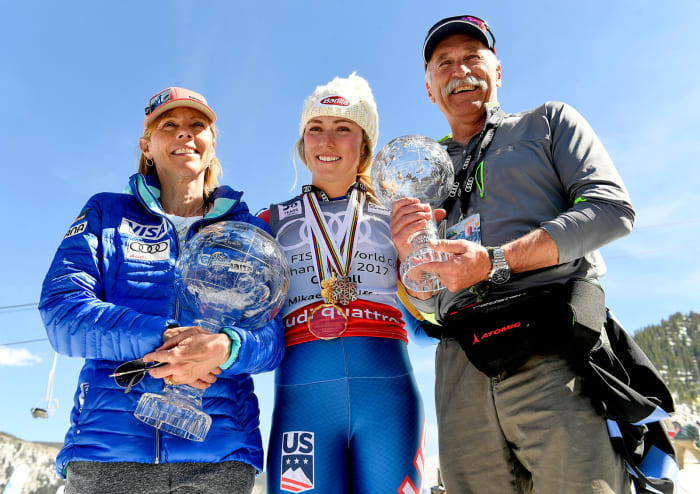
(229, 274)
(415, 166)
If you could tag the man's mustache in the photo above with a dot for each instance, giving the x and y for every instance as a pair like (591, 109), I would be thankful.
(470, 80)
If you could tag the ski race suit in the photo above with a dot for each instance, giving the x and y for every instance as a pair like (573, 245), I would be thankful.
(108, 297)
(348, 417)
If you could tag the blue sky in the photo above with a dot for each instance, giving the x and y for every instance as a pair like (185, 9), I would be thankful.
(78, 74)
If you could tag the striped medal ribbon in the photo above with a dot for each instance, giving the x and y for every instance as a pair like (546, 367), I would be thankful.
(332, 256)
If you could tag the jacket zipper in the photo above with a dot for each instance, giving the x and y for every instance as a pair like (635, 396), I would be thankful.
(157, 446)
(177, 303)
(137, 193)
(176, 315)
(177, 312)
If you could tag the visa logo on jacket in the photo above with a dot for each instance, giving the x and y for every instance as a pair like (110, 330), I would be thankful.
(145, 232)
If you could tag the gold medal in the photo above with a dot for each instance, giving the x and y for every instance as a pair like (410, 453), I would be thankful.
(327, 289)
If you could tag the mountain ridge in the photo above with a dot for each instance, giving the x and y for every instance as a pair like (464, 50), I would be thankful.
(40, 457)
(673, 346)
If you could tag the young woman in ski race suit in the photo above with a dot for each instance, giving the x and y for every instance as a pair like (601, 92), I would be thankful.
(109, 298)
(348, 417)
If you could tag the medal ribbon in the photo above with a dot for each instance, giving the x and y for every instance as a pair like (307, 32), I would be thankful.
(324, 248)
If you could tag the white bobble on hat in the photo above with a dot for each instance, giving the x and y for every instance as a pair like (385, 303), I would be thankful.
(349, 97)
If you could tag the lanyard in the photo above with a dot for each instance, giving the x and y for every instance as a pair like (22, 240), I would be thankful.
(467, 175)
(327, 252)
(306, 189)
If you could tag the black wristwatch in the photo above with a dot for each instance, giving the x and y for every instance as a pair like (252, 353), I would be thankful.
(500, 271)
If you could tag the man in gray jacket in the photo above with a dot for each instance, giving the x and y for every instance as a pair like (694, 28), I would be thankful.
(538, 196)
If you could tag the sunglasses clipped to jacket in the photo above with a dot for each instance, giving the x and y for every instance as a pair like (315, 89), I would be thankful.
(129, 374)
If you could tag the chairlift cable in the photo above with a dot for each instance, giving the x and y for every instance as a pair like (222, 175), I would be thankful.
(23, 342)
(20, 306)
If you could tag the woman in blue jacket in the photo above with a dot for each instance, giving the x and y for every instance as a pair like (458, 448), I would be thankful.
(109, 298)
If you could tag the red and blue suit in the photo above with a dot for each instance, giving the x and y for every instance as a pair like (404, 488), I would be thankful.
(348, 417)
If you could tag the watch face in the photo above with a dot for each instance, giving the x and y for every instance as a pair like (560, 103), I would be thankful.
(500, 272)
(500, 276)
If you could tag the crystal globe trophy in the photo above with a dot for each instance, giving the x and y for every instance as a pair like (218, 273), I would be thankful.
(415, 166)
(229, 274)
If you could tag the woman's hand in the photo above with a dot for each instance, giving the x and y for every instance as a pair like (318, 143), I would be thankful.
(193, 355)
(408, 217)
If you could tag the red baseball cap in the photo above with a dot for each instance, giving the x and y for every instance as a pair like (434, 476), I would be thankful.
(174, 97)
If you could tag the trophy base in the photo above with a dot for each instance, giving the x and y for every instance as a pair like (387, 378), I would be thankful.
(172, 413)
(415, 278)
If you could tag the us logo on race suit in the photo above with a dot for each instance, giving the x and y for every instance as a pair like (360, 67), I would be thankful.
(287, 210)
(74, 230)
(297, 461)
(148, 252)
(144, 232)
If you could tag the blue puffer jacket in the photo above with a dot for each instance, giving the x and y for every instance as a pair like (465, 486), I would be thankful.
(108, 297)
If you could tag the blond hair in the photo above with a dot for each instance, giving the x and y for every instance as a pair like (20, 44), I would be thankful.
(211, 174)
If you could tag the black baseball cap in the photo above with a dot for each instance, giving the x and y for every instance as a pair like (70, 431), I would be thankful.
(464, 24)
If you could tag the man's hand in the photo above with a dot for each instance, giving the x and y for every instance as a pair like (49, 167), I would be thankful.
(193, 355)
(469, 264)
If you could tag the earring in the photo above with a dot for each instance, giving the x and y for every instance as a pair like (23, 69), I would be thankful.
(149, 162)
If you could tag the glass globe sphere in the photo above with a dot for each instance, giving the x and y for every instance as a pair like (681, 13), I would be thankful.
(412, 166)
(232, 273)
